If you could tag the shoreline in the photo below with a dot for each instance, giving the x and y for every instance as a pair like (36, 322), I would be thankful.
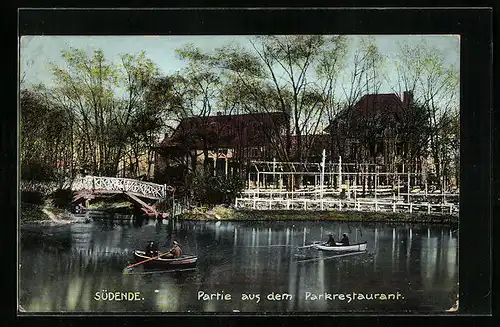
(46, 215)
(49, 216)
(301, 215)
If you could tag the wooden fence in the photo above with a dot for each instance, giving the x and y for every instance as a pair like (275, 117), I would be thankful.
(346, 205)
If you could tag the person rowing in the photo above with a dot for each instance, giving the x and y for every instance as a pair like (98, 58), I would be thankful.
(345, 239)
(175, 251)
(331, 240)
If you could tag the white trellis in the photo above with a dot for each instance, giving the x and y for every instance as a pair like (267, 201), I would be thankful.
(341, 186)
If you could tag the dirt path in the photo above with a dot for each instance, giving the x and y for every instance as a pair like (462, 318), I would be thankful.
(53, 219)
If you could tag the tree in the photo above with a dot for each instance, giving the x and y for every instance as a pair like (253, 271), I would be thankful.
(46, 138)
(85, 88)
(422, 70)
(364, 75)
(107, 105)
(290, 74)
(202, 86)
(140, 117)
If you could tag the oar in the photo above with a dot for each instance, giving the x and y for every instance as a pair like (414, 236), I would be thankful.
(265, 246)
(161, 271)
(138, 263)
(310, 245)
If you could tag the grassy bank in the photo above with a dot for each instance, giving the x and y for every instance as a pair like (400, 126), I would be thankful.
(44, 213)
(40, 208)
(228, 214)
(123, 207)
(32, 213)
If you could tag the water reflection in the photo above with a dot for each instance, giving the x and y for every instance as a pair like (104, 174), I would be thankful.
(62, 268)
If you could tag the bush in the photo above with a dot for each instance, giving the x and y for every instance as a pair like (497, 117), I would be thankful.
(37, 171)
(31, 212)
(32, 197)
(61, 198)
(213, 190)
(163, 205)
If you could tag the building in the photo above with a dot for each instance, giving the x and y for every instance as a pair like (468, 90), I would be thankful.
(222, 143)
(380, 129)
(376, 129)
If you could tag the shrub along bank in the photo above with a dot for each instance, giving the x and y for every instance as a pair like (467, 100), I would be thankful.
(36, 207)
(229, 214)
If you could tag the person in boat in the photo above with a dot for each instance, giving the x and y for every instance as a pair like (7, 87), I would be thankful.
(345, 239)
(151, 249)
(331, 240)
(175, 251)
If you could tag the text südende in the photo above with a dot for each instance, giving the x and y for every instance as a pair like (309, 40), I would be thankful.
(308, 296)
(106, 295)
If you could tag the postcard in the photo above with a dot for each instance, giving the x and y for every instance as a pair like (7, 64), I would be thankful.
(235, 174)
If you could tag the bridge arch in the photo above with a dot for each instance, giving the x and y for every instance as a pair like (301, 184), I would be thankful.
(99, 184)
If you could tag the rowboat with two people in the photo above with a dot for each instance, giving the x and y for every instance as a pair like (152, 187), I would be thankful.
(174, 259)
(182, 262)
(342, 246)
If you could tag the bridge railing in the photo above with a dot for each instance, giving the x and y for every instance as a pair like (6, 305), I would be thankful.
(82, 183)
(100, 183)
(119, 184)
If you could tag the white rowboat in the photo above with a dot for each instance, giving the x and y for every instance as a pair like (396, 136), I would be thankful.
(341, 248)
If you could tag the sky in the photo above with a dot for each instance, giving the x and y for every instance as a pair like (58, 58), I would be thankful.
(36, 52)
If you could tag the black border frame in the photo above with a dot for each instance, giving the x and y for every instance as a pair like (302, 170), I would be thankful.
(473, 24)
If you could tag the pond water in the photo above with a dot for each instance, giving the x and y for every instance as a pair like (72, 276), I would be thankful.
(242, 267)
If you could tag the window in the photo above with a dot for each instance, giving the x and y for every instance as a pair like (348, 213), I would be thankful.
(220, 166)
(380, 147)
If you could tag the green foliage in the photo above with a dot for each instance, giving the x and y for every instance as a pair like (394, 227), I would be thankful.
(35, 170)
(423, 70)
(44, 135)
(97, 115)
(161, 95)
(213, 190)
(238, 60)
(31, 212)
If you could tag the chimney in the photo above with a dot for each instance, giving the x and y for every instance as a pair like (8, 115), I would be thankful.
(407, 99)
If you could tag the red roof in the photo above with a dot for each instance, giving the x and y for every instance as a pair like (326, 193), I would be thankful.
(226, 131)
(373, 104)
(386, 108)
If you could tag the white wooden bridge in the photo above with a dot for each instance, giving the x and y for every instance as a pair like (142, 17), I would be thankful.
(105, 185)
(98, 184)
